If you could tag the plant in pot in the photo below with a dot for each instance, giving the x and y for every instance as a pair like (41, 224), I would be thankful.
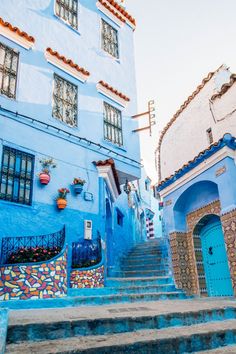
(61, 198)
(47, 165)
(78, 184)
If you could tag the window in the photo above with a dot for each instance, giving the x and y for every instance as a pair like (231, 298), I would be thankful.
(67, 10)
(16, 181)
(110, 39)
(112, 124)
(65, 101)
(210, 135)
(147, 184)
(8, 70)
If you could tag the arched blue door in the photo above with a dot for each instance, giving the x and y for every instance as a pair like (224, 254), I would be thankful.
(215, 260)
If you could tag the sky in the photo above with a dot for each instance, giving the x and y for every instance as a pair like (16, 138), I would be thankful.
(177, 42)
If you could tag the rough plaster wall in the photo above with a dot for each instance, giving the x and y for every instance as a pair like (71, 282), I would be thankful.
(187, 136)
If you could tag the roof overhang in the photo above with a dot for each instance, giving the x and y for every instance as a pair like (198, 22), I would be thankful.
(107, 170)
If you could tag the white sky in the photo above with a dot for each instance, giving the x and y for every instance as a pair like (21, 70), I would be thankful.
(177, 42)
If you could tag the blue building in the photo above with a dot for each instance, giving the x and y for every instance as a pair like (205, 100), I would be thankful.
(199, 195)
(67, 94)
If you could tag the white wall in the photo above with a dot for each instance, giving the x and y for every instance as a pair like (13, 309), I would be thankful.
(187, 135)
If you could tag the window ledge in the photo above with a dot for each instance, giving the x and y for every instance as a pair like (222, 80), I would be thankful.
(15, 37)
(113, 145)
(2, 201)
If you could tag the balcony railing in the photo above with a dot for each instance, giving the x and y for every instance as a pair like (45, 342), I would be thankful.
(11, 246)
(86, 253)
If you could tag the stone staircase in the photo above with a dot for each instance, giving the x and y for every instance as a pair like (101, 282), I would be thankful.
(130, 320)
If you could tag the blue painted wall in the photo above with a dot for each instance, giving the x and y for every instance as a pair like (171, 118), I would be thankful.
(34, 99)
(200, 191)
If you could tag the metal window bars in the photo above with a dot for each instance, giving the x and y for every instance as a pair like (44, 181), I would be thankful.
(11, 245)
(16, 178)
(110, 39)
(67, 10)
(9, 59)
(113, 124)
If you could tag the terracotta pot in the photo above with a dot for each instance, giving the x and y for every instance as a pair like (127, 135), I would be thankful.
(61, 203)
(44, 178)
(78, 188)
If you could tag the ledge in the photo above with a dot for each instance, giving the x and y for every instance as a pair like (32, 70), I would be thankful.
(66, 65)
(16, 35)
(112, 93)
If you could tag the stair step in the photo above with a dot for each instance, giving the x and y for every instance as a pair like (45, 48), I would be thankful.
(140, 267)
(137, 273)
(123, 290)
(138, 281)
(184, 339)
(228, 349)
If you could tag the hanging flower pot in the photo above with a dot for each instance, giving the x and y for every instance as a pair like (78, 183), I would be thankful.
(44, 178)
(47, 165)
(78, 185)
(61, 203)
(61, 199)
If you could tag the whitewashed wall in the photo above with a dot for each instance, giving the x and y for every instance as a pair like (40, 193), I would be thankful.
(187, 136)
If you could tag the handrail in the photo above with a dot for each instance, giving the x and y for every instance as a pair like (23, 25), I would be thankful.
(11, 245)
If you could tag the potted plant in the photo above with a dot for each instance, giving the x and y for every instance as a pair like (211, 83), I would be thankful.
(61, 199)
(44, 175)
(78, 184)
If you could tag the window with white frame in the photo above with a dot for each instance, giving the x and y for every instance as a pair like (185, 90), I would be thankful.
(9, 59)
(110, 39)
(67, 10)
(65, 101)
(112, 124)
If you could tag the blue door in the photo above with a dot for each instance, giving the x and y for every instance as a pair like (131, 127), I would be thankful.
(215, 261)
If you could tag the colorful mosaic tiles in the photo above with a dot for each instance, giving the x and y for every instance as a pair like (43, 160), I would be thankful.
(92, 278)
(229, 227)
(38, 281)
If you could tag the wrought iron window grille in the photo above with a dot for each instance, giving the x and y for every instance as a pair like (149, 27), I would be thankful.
(86, 253)
(67, 10)
(112, 124)
(65, 101)
(9, 60)
(16, 178)
(11, 245)
(110, 39)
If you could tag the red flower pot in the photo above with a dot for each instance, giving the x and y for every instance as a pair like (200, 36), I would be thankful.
(44, 178)
(61, 203)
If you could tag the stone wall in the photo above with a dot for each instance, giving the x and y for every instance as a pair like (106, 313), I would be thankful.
(89, 278)
(229, 226)
(38, 281)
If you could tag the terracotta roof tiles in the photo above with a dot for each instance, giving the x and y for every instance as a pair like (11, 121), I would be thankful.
(68, 61)
(115, 13)
(122, 11)
(112, 164)
(113, 90)
(225, 87)
(17, 30)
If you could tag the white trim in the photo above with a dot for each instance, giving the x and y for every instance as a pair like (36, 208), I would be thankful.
(109, 14)
(107, 173)
(104, 91)
(52, 59)
(205, 165)
(15, 37)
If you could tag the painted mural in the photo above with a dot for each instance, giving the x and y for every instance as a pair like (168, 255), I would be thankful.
(89, 278)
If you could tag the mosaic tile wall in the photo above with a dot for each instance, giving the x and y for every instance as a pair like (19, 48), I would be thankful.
(93, 278)
(38, 281)
(229, 226)
(184, 267)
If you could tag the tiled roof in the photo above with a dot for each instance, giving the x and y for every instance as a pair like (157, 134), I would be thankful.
(112, 164)
(115, 13)
(113, 90)
(68, 61)
(225, 87)
(177, 114)
(17, 30)
(122, 11)
(227, 140)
